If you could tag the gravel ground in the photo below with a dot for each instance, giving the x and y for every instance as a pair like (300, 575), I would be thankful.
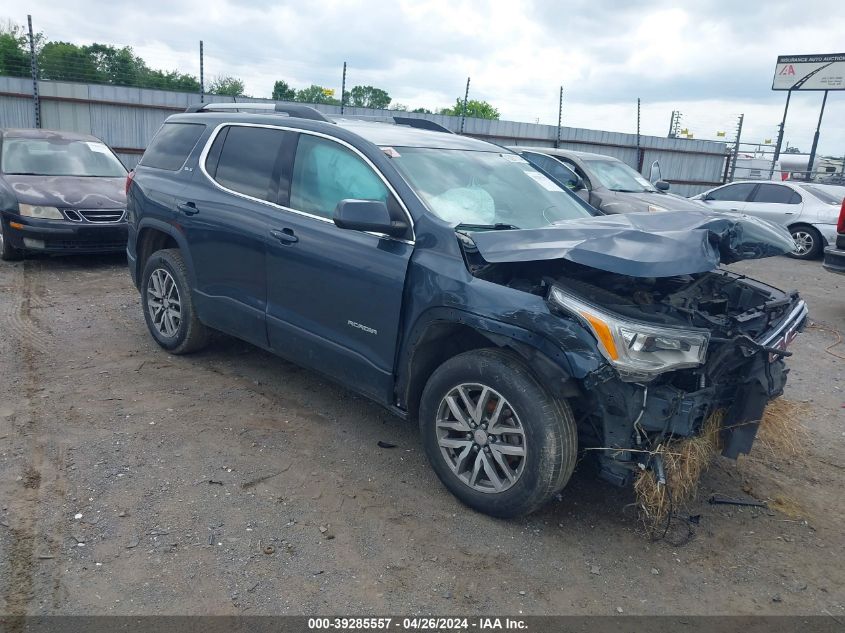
(232, 482)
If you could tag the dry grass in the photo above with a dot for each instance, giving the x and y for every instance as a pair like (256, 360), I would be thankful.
(683, 463)
(781, 432)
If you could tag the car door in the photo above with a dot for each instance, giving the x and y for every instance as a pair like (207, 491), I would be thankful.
(731, 197)
(777, 203)
(334, 296)
(228, 208)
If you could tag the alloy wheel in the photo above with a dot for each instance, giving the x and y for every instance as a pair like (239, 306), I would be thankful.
(164, 303)
(481, 438)
(804, 242)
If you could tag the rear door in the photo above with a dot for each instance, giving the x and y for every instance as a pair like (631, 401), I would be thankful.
(226, 214)
(777, 203)
(730, 197)
(334, 295)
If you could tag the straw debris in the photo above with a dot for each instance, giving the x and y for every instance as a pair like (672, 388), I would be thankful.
(684, 461)
(781, 432)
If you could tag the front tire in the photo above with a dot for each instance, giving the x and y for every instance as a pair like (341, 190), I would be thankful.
(8, 253)
(494, 435)
(808, 242)
(168, 306)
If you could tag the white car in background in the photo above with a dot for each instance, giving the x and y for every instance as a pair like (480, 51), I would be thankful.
(809, 210)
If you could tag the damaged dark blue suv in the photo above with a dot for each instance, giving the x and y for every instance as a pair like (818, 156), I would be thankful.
(452, 282)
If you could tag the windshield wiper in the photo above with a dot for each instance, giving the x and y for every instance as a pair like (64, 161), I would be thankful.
(630, 190)
(498, 226)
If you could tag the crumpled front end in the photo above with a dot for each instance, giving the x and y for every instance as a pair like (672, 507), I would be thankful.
(627, 417)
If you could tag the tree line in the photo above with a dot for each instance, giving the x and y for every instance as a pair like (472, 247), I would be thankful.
(104, 63)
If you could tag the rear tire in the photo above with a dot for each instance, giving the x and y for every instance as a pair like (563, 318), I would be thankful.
(808, 242)
(494, 435)
(168, 305)
(8, 253)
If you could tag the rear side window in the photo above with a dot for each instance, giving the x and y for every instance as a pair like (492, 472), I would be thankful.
(325, 172)
(248, 160)
(171, 146)
(732, 193)
(777, 194)
(563, 174)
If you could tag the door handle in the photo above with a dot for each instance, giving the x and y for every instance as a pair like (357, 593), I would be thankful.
(188, 208)
(285, 236)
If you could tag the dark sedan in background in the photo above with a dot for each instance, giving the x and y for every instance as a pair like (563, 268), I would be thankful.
(607, 183)
(60, 192)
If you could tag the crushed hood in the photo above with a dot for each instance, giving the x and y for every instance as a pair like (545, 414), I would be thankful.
(642, 244)
(69, 191)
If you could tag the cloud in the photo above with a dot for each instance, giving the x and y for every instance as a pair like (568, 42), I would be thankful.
(711, 59)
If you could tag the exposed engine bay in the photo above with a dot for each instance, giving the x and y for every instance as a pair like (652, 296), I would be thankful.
(748, 323)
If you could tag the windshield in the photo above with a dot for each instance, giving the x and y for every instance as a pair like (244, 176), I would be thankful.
(617, 176)
(59, 157)
(829, 194)
(485, 190)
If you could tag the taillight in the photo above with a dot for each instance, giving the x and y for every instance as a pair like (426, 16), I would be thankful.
(840, 225)
(129, 178)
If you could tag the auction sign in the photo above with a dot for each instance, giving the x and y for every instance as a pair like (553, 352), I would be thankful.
(810, 72)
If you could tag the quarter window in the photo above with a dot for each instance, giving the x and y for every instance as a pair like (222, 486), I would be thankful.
(248, 160)
(325, 172)
(171, 145)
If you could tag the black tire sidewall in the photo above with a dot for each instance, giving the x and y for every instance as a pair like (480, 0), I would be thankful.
(164, 259)
(8, 253)
(814, 252)
(541, 420)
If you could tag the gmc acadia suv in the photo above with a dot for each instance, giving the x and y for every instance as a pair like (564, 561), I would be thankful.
(450, 281)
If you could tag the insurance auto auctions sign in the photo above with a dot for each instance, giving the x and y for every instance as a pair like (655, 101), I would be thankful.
(810, 72)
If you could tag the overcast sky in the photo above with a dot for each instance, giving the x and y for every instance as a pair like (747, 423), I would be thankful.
(710, 59)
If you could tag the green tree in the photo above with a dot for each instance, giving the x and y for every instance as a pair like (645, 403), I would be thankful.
(422, 111)
(226, 85)
(68, 62)
(475, 109)
(316, 94)
(368, 97)
(14, 51)
(283, 92)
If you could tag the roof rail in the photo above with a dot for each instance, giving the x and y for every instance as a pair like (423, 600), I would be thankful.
(294, 110)
(423, 124)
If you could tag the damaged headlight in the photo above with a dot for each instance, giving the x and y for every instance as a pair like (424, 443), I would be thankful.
(639, 351)
(40, 212)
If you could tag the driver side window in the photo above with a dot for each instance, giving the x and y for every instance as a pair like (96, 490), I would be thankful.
(325, 172)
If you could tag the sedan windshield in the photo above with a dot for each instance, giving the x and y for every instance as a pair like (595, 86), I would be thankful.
(59, 157)
(485, 190)
(617, 176)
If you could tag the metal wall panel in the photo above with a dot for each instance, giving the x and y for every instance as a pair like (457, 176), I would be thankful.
(127, 118)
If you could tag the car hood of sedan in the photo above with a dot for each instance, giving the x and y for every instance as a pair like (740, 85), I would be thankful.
(642, 244)
(69, 191)
(641, 201)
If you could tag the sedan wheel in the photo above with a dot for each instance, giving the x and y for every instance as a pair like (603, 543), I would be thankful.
(808, 242)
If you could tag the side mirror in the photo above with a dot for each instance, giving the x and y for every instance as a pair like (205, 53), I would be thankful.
(654, 175)
(662, 185)
(368, 215)
(578, 184)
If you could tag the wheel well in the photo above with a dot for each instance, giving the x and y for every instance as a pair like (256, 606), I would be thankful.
(439, 343)
(150, 241)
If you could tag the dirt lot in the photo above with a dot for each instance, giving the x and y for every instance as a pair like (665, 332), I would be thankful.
(232, 482)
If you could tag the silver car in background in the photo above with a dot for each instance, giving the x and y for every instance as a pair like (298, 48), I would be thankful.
(808, 210)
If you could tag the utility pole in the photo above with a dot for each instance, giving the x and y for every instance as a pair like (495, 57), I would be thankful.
(639, 149)
(816, 140)
(202, 76)
(776, 155)
(464, 109)
(33, 68)
(343, 89)
(559, 117)
(736, 146)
